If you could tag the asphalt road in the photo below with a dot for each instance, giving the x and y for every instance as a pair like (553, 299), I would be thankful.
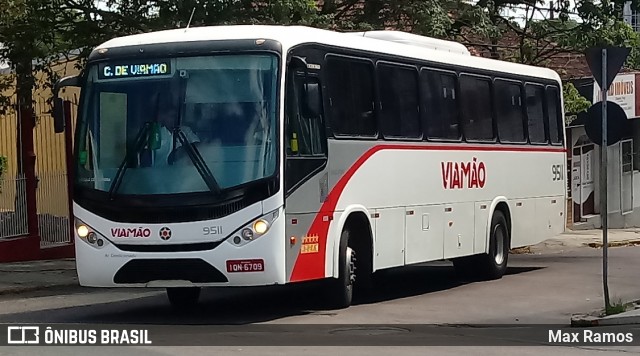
(538, 289)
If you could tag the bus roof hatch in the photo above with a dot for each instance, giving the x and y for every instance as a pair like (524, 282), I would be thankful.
(416, 40)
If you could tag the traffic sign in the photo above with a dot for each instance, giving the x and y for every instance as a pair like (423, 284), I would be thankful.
(616, 56)
(617, 123)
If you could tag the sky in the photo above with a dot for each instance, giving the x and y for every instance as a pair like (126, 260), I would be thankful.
(519, 13)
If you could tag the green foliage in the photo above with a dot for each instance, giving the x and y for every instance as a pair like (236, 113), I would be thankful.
(164, 14)
(33, 35)
(616, 308)
(537, 41)
(574, 103)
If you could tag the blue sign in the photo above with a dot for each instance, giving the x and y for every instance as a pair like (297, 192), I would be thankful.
(114, 71)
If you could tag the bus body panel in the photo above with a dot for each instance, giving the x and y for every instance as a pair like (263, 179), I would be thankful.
(426, 208)
(483, 214)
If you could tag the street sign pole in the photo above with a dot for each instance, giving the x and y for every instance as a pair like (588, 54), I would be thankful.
(605, 63)
(604, 213)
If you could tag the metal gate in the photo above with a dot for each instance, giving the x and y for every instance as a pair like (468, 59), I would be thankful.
(36, 207)
(13, 198)
(52, 194)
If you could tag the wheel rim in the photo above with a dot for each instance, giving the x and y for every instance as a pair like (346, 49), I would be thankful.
(351, 266)
(499, 238)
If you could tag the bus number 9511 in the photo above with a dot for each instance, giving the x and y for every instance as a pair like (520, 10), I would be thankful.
(212, 230)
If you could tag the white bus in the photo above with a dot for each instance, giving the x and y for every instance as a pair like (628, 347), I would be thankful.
(267, 155)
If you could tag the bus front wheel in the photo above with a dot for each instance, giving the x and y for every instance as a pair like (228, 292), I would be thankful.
(340, 290)
(183, 297)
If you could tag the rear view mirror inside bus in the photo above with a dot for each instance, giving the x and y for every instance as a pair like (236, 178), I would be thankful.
(312, 100)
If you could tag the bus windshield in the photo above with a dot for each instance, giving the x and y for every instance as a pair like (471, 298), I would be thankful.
(177, 125)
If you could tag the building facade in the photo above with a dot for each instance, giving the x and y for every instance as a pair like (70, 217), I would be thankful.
(623, 160)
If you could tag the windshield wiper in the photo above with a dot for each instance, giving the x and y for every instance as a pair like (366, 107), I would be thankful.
(117, 180)
(198, 161)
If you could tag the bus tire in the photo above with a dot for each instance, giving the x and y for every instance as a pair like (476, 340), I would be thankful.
(492, 265)
(183, 297)
(340, 290)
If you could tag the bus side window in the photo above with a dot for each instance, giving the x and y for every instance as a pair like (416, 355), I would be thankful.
(535, 113)
(440, 114)
(509, 113)
(475, 103)
(351, 86)
(554, 124)
(399, 113)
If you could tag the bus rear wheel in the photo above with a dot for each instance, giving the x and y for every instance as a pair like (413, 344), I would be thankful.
(339, 293)
(183, 297)
(491, 265)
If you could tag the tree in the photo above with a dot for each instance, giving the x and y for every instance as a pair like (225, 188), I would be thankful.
(165, 14)
(26, 32)
(570, 27)
(574, 102)
(429, 17)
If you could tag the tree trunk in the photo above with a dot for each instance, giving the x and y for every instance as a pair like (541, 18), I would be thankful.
(25, 185)
(494, 15)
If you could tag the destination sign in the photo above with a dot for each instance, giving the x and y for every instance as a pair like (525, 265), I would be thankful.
(113, 71)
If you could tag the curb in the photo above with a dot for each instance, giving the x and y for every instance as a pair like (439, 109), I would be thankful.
(590, 320)
(632, 242)
(521, 250)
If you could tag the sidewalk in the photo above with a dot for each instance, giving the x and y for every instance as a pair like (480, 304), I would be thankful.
(29, 276)
(581, 238)
(626, 318)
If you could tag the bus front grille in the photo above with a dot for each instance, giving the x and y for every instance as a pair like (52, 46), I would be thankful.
(190, 247)
(194, 270)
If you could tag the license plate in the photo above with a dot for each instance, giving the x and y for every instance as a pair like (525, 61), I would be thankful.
(245, 266)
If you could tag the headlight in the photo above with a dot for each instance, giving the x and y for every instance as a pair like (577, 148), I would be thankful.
(83, 231)
(255, 229)
(261, 226)
(88, 235)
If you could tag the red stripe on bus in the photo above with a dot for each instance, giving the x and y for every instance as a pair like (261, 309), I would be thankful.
(311, 266)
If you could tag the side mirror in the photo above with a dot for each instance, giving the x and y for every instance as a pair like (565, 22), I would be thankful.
(58, 103)
(58, 115)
